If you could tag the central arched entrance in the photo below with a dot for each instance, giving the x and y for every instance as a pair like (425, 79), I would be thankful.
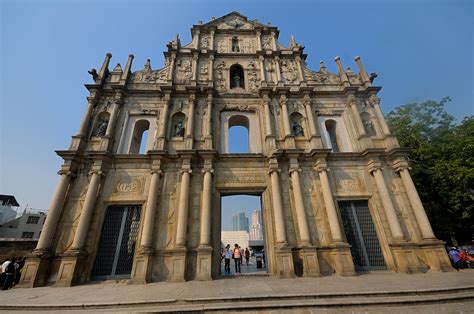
(242, 233)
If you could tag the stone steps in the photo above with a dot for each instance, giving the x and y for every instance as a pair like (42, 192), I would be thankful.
(271, 302)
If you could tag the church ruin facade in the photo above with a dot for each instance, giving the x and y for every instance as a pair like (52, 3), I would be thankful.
(139, 194)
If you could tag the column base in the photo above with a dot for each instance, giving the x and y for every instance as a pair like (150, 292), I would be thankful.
(35, 271)
(70, 270)
(178, 265)
(78, 143)
(105, 144)
(433, 254)
(284, 262)
(142, 267)
(309, 258)
(342, 260)
(405, 257)
(315, 142)
(160, 143)
(204, 261)
(270, 142)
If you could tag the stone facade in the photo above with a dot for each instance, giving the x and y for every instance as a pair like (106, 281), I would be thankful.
(316, 139)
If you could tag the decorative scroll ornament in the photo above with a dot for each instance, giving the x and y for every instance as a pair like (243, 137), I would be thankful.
(205, 41)
(253, 77)
(183, 70)
(321, 77)
(147, 75)
(267, 42)
(220, 77)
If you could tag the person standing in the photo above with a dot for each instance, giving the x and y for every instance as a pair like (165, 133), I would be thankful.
(247, 255)
(9, 275)
(237, 258)
(227, 256)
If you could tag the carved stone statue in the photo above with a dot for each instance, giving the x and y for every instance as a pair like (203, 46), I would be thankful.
(101, 128)
(179, 129)
(297, 129)
(236, 80)
(235, 45)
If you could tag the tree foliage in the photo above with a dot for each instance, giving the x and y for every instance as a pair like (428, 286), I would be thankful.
(442, 159)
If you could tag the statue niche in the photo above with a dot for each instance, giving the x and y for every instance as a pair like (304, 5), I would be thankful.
(178, 125)
(237, 76)
(103, 122)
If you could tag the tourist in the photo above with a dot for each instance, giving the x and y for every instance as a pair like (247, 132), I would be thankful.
(9, 274)
(237, 258)
(466, 258)
(3, 273)
(247, 255)
(241, 255)
(18, 267)
(455, 258)
(227, 256)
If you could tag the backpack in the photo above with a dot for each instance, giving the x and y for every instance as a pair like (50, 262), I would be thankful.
(10, 268)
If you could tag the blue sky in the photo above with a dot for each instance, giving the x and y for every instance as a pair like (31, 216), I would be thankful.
(420, 50)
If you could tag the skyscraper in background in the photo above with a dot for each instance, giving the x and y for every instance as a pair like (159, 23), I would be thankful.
(256, 230)
(240, 222)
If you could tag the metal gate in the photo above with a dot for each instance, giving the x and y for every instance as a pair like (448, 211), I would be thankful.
(361, 235)
(117, 243)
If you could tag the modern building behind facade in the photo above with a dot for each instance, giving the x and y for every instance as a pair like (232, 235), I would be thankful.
(336, 192)
(27, 226)
(8, 206)
(256, 228)
(240, 222)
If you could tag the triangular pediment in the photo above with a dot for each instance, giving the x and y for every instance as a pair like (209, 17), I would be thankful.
(233, 20)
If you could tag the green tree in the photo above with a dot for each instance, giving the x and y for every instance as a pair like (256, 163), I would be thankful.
(442, 159)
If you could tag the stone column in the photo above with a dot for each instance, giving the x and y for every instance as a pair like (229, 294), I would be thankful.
(205, 238)
(284, 256)
(376, 169)
(299, 204)
(285, 117)
(299, 68)
(211, 44)
(342, 74)
(142, 266)
(160, 142)
(375, 102)
(172, 58)
(362, 74)
(262, 69)
(112, 120)
(277, 69)
(54, 212)
(259, 40)
(280, 230)
(87, 211)
(274, 40)
(149, 221)
(208, 123)
(331, 212)
(315, 138)
(190, 122)
(182, 222)
(204, 250)
(415, 201)
(355, 113)
(211, 67)
(195, 66)
(86, 118)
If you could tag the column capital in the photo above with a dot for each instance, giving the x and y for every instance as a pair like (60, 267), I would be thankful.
(92, 99)
(373, 165)
(158, 171)
(183, 171)
(282, 99)
(211, 57)
(100, 173)
(374, 100)
(276, 58)
(321, 165)
(210, 170)
(64, 172)
(400, 164)
(261, 58)
(351, 100)
(258, 32)
(306, 99)
(192, 97)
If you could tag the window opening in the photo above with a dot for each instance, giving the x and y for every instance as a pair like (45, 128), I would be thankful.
(331, 129)
(238, 135)
(136, 146)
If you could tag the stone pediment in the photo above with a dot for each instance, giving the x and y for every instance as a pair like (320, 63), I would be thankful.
(235, 21)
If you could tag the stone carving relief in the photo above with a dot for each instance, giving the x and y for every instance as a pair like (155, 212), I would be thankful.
(270, 70)
(235, 22)
(125, 186)
(266, 42)
(204, 71)
(248, 45)
(349, 182)
(147, 75)
(252, 75)
(225, 178)
(222, 46)
(183, 70)
(288, 71)
(220, 76)
(321, 78)
(205, 41)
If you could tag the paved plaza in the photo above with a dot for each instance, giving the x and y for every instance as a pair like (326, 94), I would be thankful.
(451, 292)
